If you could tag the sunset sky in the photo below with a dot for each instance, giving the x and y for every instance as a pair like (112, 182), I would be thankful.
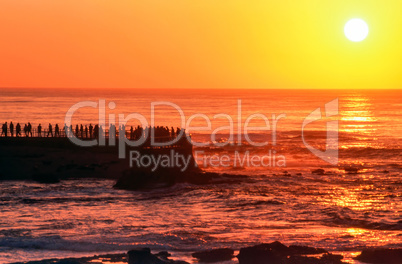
(198, 44)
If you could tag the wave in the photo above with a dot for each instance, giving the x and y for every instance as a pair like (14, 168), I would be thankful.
(163, 241)
(343, 220)
(58, 243)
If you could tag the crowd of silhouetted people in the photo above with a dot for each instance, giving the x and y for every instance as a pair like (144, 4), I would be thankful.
(90, 131)
(8, 130)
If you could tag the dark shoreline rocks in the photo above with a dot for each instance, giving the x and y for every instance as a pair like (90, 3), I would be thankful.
(85, 260)
(144, 256)
(272, 253)
(278, 253)
(381, 256)
(214, 255)
(45, 178)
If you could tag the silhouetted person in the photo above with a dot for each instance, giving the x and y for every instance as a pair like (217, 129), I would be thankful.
(90, 130)
(140, 132)
(26, 130)
(11, 129)
(98, 131)
(57, 131)
(76, 130)
(4, 129)
(86, 131)
(66, 130)
(39, 130)
(29, 129)
(50, 131)
(131, 132)
(82, 131)
(172, 133)
(18, 130)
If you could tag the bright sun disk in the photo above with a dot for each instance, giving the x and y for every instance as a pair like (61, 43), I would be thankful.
(356, 30)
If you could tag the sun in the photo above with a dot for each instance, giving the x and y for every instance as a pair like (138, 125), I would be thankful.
(356, 30)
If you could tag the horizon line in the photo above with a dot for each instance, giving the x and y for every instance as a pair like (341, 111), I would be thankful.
(181, 88)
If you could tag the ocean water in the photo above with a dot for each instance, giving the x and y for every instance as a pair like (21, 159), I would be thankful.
(338, 210)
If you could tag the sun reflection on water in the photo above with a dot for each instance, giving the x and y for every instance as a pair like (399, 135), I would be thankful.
(357, 115)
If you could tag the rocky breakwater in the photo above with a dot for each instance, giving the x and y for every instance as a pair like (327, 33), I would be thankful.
(49, 160)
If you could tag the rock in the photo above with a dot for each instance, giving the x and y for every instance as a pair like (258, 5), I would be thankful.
(325, 259)
(303, 250)
(273, 253)
(214, 255)
(163, 254)
(277, 253)
(47, 162)
(45, 178)
(66, 261)
(108, 258)
(381, 255)
(144, 256)
(332, 258)
(318, 171)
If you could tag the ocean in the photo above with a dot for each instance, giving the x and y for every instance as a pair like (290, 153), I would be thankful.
(353, 204)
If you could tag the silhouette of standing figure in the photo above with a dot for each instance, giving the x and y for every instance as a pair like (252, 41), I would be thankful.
(172, 133)
(90, 130)
(11, 129)
(57, 131)
(40, 130)
(4, 129)
(18, 130)
(76, 130)
(50, 132)
(66, 130)
(26, 130)
(29, 129)
(82, 131)
(100, 132)
(86, 131)
(97, 131)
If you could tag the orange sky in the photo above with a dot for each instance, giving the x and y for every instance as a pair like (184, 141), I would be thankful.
(198, 44)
